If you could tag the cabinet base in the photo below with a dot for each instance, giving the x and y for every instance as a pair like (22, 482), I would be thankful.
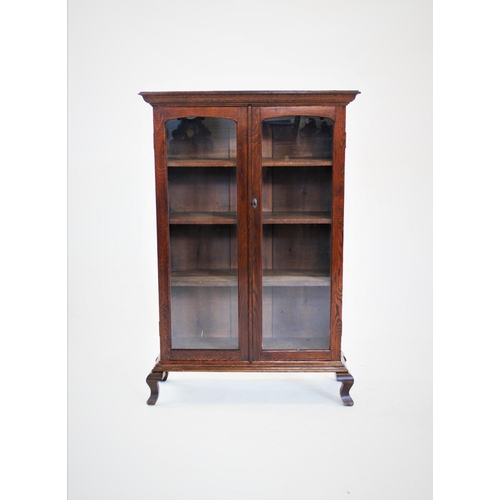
(161, 369)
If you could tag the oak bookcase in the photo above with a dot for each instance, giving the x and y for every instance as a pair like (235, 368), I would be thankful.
(250, 217)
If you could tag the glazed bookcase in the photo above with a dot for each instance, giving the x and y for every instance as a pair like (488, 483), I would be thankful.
(250, 217)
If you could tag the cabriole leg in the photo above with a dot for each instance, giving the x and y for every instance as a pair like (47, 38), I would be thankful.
(346, 380)
(152, 380)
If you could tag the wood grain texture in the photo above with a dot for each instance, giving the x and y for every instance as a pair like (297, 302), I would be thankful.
(279, 255)
(296, 218)
(203, 218)
(255, 236)
(294, 278)
(337, 244)
(243, 208)
(250, 98)
(205, 277)
(255, 366)
(163, 241)
(298, 190)
(209, 162)
(296, 162)
(325, 110)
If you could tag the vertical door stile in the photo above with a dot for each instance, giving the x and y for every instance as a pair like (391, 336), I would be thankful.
(242, 161)
(163, 243)
(248, 205)
(337, 232)
(256, 234)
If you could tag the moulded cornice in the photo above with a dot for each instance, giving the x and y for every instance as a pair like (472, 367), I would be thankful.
(251, 98)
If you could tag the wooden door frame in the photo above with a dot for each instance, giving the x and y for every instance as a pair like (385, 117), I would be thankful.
(256, 117)
(161, 114)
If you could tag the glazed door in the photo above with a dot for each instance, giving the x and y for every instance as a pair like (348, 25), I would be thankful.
(202, 230)
(297, 195)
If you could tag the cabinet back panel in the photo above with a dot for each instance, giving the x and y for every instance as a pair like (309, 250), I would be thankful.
(297, 189)
(203, 313)
(203, 247)
(199, 189)
(296, 246)
(301, 312)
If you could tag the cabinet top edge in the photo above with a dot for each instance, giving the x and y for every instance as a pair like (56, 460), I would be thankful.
(251, 98)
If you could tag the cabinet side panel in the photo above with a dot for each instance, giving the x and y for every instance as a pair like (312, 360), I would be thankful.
(337, 232)
(162, 231)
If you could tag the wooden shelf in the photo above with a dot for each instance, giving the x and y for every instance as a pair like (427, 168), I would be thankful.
(293, 344)
(205, 342)
(297, 162)
(197, 162)
(203, 218)
(229, 277)
(211, 277)
(296, 218)
(288, 277)
(267, 218)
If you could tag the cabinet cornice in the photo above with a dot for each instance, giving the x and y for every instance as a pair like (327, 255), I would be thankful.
(252, 98)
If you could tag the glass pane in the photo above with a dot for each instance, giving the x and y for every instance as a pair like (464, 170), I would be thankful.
(298, 137)
(202, 195)
(296, 233)
(196, 137)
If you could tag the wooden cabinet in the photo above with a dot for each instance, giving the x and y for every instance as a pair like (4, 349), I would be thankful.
(250, 203)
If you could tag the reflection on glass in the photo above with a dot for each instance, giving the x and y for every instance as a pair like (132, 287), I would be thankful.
(202, 193)
(296, 233)
(297, 137)
(196, 137)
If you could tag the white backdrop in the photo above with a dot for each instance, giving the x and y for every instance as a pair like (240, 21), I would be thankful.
(244, 436)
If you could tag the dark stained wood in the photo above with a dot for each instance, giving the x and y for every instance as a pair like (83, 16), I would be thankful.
(202, 355)
(258, 254)
(307, 189)
(325, 110)
(294, 278)
(152, 380)
(201, 246)
(301, 246)
(203, 218)
(346, 380)
(296, 218)
(172, 162)
(248, 248)
(250, 98)
(296, 162)
(210, 277)
(254, 366)
(202, 190)
(337, 232)
(243, 256)
(295, 355)
(163, 241)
